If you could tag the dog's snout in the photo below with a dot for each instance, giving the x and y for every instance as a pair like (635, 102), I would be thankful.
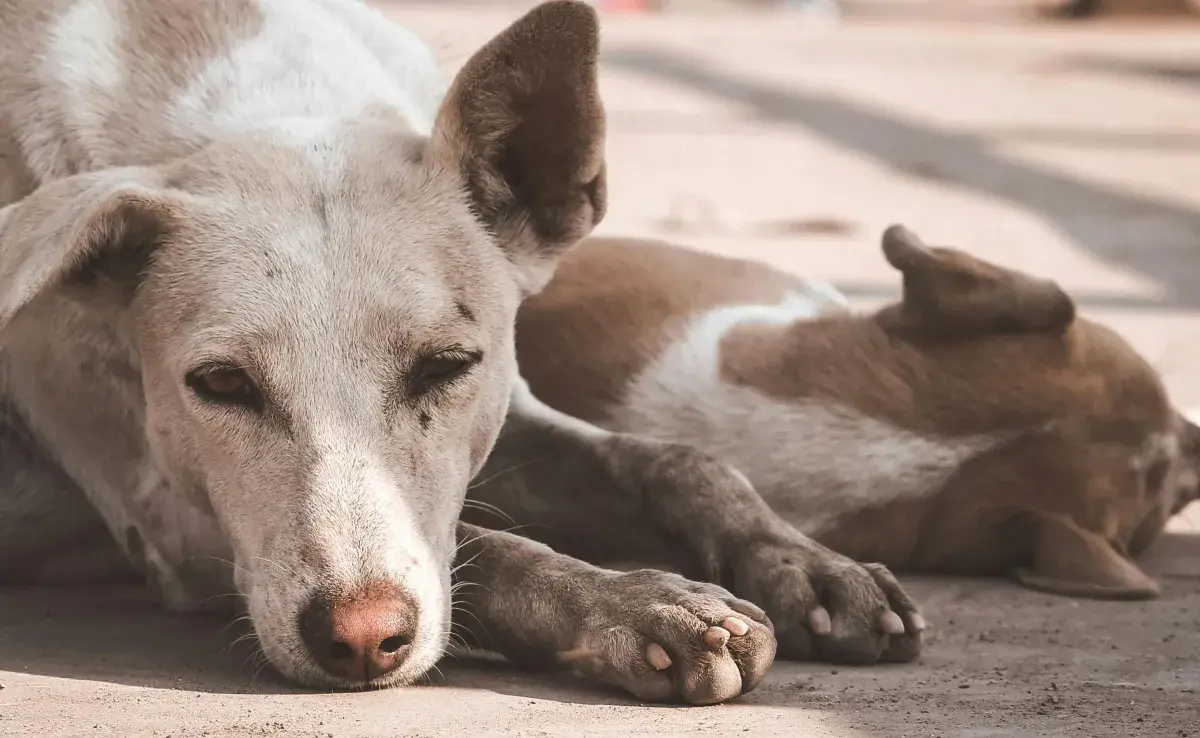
(360, 637)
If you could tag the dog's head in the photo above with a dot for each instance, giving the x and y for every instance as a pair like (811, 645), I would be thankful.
(1188, 478)
(324, 330)
(1020, 333)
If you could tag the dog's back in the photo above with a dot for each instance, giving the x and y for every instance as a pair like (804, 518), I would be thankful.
(958, 431)
(90, 84)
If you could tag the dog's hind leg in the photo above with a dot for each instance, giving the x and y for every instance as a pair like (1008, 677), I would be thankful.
(608, 497)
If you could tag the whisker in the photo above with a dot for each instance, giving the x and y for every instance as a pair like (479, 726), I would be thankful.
(468, 562)
(438, 669)
(488, 532)
(285, 569)
(464, 611)
(457, 640)
(489, 508)
(510, 469)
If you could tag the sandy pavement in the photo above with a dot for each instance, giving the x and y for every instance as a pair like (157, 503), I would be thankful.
(1070, 153)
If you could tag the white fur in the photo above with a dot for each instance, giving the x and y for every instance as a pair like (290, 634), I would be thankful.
(312, 68)
(82, 60)
(361, 56)
(83, 50)
(795, 453)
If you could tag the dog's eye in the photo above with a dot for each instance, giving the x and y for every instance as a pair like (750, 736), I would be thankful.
(441, 369)
(226, 385)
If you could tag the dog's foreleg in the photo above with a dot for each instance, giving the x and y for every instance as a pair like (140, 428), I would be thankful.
(656, 635)
(611, 497)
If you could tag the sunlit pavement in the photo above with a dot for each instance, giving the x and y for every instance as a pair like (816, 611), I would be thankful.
(1070, 153)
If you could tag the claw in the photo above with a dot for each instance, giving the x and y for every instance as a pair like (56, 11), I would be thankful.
(891, 623)
(657, 656)
(819, 622)
(715, 638)
(735, 626)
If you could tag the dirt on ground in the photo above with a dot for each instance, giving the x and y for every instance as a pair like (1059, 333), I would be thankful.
(999, 661)
(1069, 152)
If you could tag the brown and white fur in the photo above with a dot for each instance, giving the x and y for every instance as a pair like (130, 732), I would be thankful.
(976, 427)
(259, 273)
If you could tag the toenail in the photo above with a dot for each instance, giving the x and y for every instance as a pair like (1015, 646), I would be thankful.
(819, 621)
(716, 638)
(657, 656)
(891, 623)
(918, 622)
(735, 626)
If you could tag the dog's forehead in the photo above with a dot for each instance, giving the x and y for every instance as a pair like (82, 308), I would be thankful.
(343, 223)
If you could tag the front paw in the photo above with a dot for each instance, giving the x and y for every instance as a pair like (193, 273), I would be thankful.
(664, 638)
(827, 607)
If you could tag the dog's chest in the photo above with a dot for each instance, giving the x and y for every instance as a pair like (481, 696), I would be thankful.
(811, 458)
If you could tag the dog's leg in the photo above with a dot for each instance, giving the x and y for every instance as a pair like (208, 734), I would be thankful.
(609, 497)
(656, 635)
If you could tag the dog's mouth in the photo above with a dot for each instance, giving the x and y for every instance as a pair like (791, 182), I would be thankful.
(371, 635)
(396, 665)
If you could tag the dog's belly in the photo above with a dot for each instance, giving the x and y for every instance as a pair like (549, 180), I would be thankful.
(812, 460)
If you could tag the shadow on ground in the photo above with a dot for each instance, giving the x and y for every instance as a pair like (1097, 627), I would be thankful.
(1108, 222)
(998, 658)
(1185, 73)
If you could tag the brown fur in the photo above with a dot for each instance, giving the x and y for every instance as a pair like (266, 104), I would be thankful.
(1086, 474)
(538, 187)
(579, 360)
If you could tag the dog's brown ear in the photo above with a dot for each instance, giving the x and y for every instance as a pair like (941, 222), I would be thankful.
(1070, 561)
(86, 231)
(1189, 473)
(950, 294)
(524, 126)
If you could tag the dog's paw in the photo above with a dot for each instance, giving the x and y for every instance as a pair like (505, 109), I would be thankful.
(663, 638)
(826, 607)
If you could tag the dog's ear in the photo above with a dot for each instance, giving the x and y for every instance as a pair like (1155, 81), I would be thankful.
(1189, 474)
(94, 232)
(1190, 442)
(950, 294)
(523, 125)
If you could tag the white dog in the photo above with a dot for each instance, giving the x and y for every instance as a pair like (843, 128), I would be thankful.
(259, 268)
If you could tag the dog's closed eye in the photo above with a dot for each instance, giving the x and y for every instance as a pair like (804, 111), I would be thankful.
(440, 370)
(224, 385)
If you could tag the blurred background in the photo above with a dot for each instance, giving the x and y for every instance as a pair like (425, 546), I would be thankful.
(1057, 136)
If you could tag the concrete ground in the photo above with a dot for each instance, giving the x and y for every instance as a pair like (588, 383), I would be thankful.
(1072, 153)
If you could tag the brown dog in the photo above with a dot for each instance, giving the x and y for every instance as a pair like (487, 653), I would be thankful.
(977, 427)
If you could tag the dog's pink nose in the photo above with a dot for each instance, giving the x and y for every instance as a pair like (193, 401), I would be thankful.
(360, 637)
